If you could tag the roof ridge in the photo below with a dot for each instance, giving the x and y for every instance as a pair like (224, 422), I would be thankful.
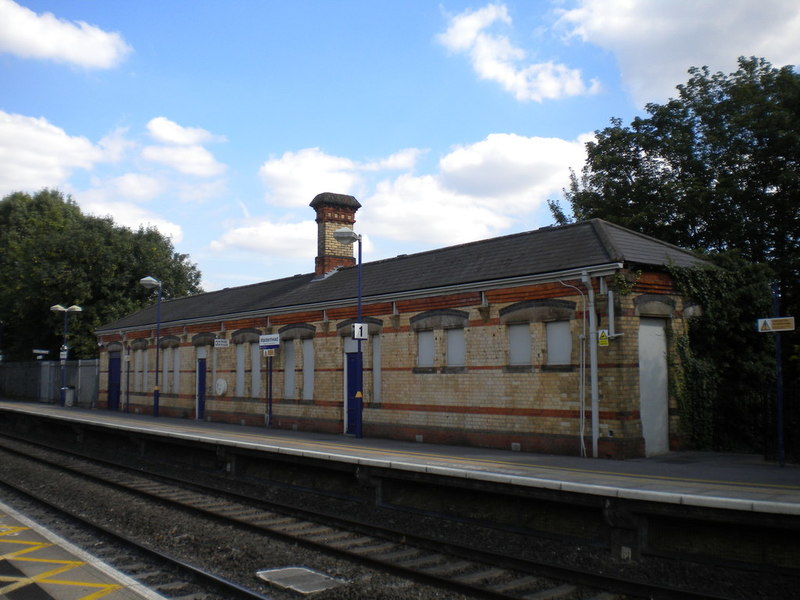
(646, 236)
(599, 227)
(543, 229)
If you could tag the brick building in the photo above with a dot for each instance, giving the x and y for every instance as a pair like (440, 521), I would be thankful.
(555, 340)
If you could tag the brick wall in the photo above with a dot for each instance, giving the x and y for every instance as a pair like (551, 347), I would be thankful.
(485, 402)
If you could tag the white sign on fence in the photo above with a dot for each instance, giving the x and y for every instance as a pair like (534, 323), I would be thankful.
(775, 324)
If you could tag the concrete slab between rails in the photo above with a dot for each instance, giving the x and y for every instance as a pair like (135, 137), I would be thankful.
(299, 579)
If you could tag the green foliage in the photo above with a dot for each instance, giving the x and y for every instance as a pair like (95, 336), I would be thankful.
(716, 169)
(728, 373)
(51, 253)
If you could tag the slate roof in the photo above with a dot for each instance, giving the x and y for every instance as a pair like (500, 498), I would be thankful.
(540, 252)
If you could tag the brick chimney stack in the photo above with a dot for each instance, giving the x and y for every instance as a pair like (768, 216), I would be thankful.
(334, 211)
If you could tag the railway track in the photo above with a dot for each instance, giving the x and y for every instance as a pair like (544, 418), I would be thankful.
(166, 575)
(462, 570)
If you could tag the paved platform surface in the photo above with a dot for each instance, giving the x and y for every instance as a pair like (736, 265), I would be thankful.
(36, 564)
(727, 481)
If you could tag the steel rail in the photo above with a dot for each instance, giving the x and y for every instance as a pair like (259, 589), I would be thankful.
(395, 547)
(230, 589)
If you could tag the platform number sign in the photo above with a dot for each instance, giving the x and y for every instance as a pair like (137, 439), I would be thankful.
(360, 331)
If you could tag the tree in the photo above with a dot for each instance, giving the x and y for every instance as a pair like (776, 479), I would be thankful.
(51, 253)
(716, 169)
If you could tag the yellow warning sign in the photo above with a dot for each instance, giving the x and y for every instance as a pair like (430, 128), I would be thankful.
(775, 324)
(602, 337)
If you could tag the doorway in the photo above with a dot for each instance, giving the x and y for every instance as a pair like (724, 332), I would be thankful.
(200, 408)
(653, 387)
(114, 379)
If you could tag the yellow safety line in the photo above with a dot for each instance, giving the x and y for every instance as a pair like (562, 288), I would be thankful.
(104, 589)
(16, 583)
(32, 547)
(11, 530)
(458, 461)
(20, 582)
(311, 444)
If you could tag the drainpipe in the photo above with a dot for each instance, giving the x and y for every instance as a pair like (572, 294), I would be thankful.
(587, 281)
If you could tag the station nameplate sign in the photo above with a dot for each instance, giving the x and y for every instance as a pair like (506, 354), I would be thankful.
(268, 341)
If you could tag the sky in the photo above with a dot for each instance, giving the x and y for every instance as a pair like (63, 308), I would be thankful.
(218, 122)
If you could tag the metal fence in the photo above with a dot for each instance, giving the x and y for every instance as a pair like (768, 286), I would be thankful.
(41, 381)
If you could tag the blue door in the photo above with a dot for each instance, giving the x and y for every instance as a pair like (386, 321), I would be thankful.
(114, 379)
(201, 388)
(354, 402)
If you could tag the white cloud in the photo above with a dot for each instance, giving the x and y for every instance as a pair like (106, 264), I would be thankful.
(420, 210)
(495, 58)
(480, 190)
(115, 145)
(295, 240)
(130, 215)
(36, 154)
(399, 161)
(190, 160)
(519, 172)
(136, 186)
(181, 148)
(45, 36)
(655, 43)
(295, 178)
(168, 132)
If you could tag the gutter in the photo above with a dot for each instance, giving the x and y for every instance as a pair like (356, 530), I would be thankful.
(596, 271)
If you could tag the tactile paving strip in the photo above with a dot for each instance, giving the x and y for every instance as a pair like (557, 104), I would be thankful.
(35, 564)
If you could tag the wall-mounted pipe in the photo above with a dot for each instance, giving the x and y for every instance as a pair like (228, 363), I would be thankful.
(612, 329)
(581, 371)
(587, 281)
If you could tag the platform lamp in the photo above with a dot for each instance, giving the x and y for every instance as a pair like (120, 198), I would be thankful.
(150, 283)
(346, 235)
(64, 348)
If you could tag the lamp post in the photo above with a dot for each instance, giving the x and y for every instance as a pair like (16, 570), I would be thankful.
(150, 283)
(355, 404)
(64, 348)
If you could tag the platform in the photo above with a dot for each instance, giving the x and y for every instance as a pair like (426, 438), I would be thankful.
(39, 565)
(705, 480)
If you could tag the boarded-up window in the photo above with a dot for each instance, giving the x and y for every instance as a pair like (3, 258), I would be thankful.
(255, 371)
(425, 348)
(176, 370)
(308, 369)
(241, 353)
(166, 355)
(456, 350)
(375, 343)
(559, 343)
(519, 344)
(288, 368)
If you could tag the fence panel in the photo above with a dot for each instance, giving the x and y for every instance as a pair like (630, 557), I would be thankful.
(41, 381)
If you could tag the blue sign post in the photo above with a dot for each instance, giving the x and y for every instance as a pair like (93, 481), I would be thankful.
(776, 325)
(268, 343)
